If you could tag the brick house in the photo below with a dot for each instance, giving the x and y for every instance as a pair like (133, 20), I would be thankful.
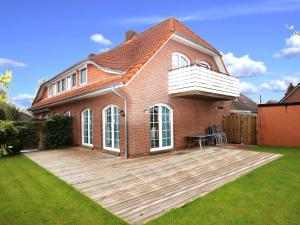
(143, 96)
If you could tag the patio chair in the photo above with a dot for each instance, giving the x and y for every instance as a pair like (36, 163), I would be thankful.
(220, 136)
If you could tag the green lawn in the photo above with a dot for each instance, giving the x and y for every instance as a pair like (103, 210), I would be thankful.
(268, 195)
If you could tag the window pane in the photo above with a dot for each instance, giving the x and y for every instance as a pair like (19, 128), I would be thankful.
(175, 61)
(183, 61)
(74, 80)
(83, 76)
(58, 86)
(154, 127)
(63, 84)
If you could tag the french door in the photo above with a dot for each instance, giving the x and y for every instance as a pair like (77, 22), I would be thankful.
(161, 127)
(111, 128)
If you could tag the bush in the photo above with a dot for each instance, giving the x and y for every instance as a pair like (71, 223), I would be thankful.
(28, 133)
(58, 131)
(9, 136)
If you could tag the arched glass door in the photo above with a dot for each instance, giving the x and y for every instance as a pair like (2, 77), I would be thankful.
(161, 127)
(111, 128)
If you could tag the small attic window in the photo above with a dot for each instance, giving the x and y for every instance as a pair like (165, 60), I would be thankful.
(203, 64)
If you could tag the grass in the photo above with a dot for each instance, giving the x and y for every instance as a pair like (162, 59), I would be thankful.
(29, 195)
(268, 195)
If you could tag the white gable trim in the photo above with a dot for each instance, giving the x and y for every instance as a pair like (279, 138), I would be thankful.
(191, 44)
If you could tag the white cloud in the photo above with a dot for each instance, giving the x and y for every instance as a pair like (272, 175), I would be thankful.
(235, 10)
(99, 38)
(292, 48)
(248, 88)
(243, 66)
(22, 100)
(276, 85)
(103, 50)
(4, 62)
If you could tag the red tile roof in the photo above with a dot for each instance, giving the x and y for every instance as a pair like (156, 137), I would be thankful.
(131, 55)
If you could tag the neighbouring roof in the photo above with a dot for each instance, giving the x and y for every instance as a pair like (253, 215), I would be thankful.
(244, 103)
(131, 55)
(289, 92)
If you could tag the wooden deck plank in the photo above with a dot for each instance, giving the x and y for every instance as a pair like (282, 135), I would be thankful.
(141, 189)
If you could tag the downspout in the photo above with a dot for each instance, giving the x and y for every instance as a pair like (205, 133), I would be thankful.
(126, 118)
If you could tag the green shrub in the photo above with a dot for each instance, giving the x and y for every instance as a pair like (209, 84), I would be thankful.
(58, 131)
(28, 133)
(9, 136)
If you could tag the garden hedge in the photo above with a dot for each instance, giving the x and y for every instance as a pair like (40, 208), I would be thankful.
(58, 131)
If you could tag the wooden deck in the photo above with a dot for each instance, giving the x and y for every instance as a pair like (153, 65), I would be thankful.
(141, 189)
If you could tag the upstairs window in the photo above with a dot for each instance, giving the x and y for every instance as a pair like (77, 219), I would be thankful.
(73, 80)
(63, 84)
(204, 64)
(83, 76)
(50, 91)
(179, 60)
(58, 86)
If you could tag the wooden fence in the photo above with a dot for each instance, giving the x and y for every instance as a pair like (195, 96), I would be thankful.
(241, 129)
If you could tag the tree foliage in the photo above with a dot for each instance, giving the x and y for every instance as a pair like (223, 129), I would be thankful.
(4, 81)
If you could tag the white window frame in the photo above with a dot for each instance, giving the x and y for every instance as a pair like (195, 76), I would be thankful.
(160, 148)
(71, 82)
(68, 83)
(61, 84)
(179, 55)
(50, 91)
(86, 71)
(82, 127)
(58, 87)
(112, 130)
(68, 113)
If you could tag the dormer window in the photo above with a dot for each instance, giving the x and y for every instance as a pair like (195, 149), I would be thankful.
(58, 86)
(63, 84)
(50, 91)
(179, 60)
(73, 80)
(83, 76)
(203, 64)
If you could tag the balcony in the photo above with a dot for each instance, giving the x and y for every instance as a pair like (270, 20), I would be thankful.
(196, 81)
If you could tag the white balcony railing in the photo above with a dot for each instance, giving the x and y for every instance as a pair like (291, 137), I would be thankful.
(197, 80)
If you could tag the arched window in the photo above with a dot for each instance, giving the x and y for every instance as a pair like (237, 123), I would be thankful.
(111, 128)
(204, 64)
(161, 127)
(68, 113)
(87, 127)
(179, 60)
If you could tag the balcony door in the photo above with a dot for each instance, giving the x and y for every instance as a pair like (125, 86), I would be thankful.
(111, 128)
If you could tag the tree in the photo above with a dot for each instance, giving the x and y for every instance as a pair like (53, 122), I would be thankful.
(4, 81)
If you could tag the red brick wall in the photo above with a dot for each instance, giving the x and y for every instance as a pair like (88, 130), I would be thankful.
(97, 104)
(151, 87)
(279, 125)
(294, 97)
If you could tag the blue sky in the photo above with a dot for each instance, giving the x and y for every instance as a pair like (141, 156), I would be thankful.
(41, 38)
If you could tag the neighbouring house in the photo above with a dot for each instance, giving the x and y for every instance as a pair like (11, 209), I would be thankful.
(145, 95)
(292, 94)
(243, 105)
